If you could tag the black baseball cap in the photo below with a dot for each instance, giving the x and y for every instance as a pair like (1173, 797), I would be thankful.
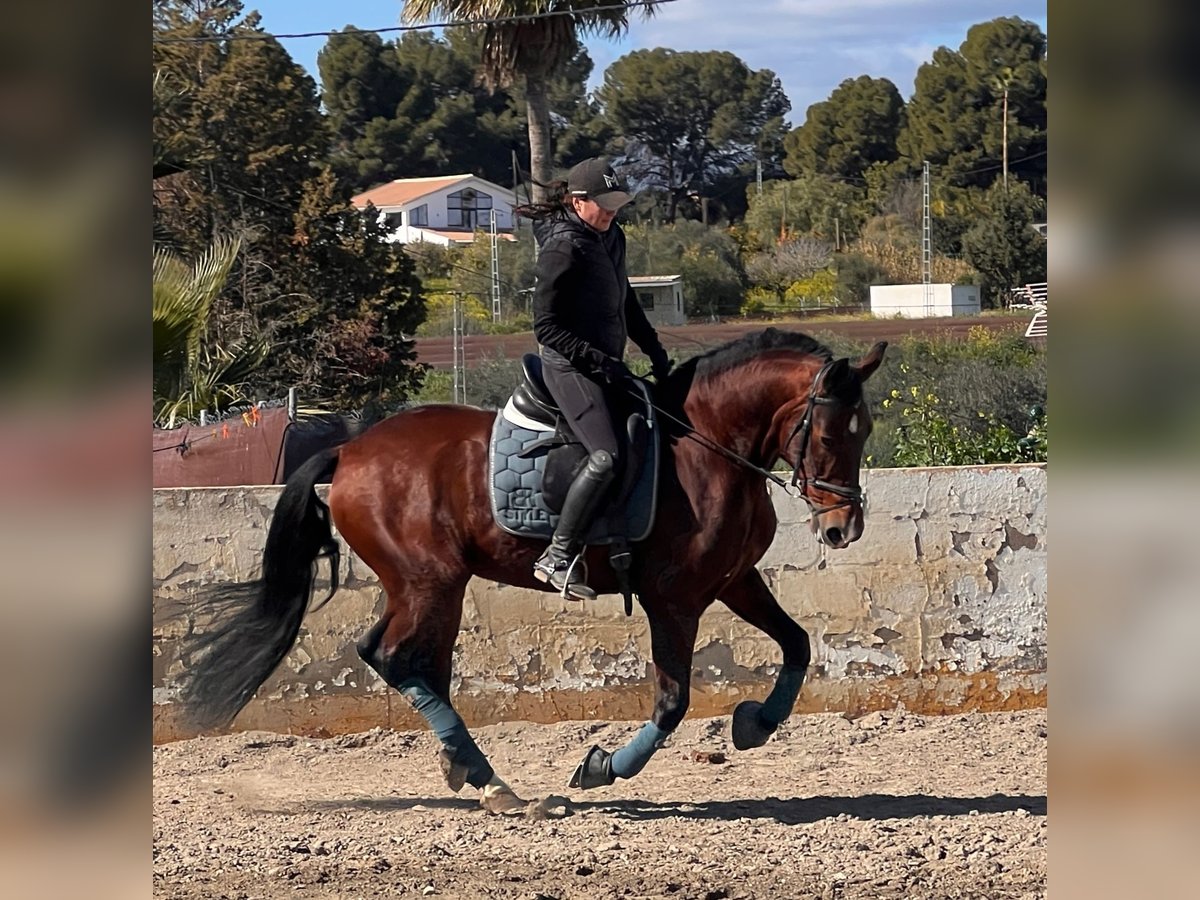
(594, 179)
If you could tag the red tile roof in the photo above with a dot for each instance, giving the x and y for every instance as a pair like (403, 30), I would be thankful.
(405, 190)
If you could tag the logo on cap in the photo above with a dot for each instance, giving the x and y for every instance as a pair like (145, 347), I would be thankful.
(611, 180)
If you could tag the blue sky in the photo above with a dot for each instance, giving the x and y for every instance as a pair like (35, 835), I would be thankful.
(812, 45)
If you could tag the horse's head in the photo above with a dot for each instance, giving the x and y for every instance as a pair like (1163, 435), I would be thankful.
(826, 430)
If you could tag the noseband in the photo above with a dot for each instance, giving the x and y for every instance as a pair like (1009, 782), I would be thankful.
(850, 494)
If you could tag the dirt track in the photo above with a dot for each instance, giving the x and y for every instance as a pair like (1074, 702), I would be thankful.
(688, 339)
(892, 805)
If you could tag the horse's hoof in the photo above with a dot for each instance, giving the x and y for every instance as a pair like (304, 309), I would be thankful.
(594, 771)
(500, 800)
(749, 730)
(454, 773)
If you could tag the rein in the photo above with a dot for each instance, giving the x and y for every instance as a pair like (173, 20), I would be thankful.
(849, 494)
(708, 443)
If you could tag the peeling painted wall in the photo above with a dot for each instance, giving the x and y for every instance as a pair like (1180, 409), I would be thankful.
(940, 606)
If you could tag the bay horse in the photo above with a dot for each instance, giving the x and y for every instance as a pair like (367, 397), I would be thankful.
(410, 497)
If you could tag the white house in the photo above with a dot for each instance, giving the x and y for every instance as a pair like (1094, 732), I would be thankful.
(918, 301)
(661, 297)
(442, 209)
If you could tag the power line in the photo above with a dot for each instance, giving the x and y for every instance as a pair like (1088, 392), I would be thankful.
(500, 20)
(1011, 163)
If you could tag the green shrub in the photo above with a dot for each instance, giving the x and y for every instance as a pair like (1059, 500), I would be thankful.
(1001, 375)
(929, 437)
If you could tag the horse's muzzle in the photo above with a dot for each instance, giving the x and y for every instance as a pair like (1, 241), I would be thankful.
(839, 528)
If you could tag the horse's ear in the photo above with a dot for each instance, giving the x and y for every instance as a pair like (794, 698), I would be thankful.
(866, 366)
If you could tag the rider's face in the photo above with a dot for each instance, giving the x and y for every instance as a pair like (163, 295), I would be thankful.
(593, 213)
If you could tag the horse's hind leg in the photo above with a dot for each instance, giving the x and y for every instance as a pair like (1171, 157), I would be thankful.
(751, 599)
(412, 647)
(672, 643)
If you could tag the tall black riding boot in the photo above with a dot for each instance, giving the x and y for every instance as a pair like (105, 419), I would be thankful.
(561, 566)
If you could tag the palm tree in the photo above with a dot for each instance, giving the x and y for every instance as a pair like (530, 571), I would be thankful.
(190, 373)
(533, 49)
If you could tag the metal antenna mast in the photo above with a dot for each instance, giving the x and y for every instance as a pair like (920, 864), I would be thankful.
(495, 269)
(926, 241)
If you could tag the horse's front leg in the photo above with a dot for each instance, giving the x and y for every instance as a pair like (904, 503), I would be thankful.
(672, 643)
(751, 599)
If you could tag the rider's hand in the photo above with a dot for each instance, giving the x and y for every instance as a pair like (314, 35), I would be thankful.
(613, 370)
(660, 367)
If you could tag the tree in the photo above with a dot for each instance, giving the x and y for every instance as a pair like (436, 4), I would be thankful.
(787, 263)
(845, 135)
(530, 50)
(361, 80)
(682, 141)
(1004, 247)
(190, 372)
(578, 129)
(706, 258)
(471, 273)
(415, 108)
(313, 278)
(354, 347)
(246, 119)
(814, 205)
(955, 114)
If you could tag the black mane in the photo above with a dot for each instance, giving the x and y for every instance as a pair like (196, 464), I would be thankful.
(736, 352)
(747, 347)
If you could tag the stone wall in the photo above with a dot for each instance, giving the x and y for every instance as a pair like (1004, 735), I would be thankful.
(940, 606)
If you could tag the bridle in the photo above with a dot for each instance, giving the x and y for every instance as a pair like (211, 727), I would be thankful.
(850, 494)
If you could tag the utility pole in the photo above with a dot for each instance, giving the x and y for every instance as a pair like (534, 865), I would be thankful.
(1001, 82)
(1004, 138)
(783, 218)
(758, 176)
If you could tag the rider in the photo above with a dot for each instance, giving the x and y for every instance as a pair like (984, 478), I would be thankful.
(583, 310)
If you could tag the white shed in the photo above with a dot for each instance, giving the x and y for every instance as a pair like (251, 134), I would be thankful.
(661, 297)
(917, 301)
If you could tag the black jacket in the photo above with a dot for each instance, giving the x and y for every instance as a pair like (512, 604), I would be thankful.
(583, 305)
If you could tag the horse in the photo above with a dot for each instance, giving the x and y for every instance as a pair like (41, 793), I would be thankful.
(410, 497)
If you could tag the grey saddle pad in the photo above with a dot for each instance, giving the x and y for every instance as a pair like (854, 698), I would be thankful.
(516, 485)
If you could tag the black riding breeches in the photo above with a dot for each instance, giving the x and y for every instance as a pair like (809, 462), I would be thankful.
(583, 404)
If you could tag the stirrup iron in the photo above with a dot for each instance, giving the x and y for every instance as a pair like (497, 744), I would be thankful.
(578, 560)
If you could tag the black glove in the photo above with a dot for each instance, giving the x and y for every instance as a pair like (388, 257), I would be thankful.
(660, 366)
(613, 370)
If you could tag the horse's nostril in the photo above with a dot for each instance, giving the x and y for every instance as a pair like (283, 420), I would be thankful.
(833, 536)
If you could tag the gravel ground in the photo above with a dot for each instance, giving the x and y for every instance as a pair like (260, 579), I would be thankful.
(889, 805)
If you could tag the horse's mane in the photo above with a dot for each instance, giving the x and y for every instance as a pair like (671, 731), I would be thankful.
(746, 348)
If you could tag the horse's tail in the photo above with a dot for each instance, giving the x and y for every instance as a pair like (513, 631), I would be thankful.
(254, 624)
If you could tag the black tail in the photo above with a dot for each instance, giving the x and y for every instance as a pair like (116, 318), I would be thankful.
(251, 626)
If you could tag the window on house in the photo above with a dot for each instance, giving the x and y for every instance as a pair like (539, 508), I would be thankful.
(419, 216)
(647, 299)
(393, 220)
(467, 208)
